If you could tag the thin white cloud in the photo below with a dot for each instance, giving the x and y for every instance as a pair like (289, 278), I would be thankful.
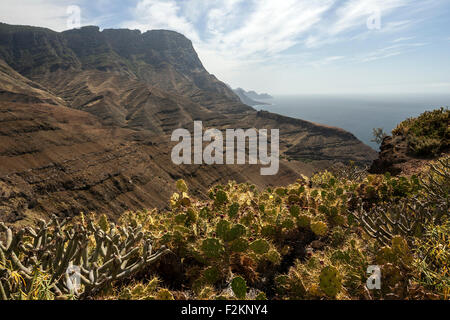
(234, 37)
(44, 13)
(438, 85)
(389, 51)
(268, 27)
(351, 16)
(52, 14)
(229, 34)
(240, 39)
(402, 39)
(396, 26)
(160, 14)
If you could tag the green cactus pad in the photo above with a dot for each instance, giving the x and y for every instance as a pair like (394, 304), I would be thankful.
(235, 232)
(239, 245)
(294, 211)
(268, 231)
(273, 256)
(222, 228)
(212, 248)
(192, 215)
(211, 275)
(181, 218)
(182, 186)
(280, 191)
(330, 281)
(233, 210)
(319, 228)
(288, 224)
(221, 198)
(304, 221)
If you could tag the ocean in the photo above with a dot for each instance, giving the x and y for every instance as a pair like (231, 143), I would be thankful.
(358, 114)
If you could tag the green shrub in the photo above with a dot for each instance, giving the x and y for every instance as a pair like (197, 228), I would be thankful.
(428, 134)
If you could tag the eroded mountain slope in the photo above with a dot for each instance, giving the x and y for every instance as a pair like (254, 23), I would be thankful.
(87, 116)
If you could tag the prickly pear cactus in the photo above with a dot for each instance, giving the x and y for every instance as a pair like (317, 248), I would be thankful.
(319, 228)
(304, 221)
(274, 256)
(221, 198)
(182, 186)
(211, 275)
(233, 210)
(222, 229)
(239, 287)
(294, 211)
(212, 248)
(164, 294)
(239, 245)
(260, 246)
(235, 232)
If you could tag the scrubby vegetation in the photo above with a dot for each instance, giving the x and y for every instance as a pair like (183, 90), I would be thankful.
(319, 238)
(427, 135)
(40, 264)
(314, 239)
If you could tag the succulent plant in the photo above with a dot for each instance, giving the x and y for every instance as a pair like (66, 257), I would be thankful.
(164, 294)
(211, 275)
(233, 210)
(330, 281)
(221, 198)
(304, 221)
(239, 287)
(182, 186)
(319, 228)
(260, 246)
(212, 248)
(100, 257)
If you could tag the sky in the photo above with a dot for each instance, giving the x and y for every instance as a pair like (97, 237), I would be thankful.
(284, 46)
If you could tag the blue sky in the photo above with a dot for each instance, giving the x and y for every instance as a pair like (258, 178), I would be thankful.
(286, 46)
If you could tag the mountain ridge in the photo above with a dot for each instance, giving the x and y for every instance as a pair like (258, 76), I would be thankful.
(246, 99)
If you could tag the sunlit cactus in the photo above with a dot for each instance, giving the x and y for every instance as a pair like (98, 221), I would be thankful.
(100, 257)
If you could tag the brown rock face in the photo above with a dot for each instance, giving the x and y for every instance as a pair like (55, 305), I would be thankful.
(86, 118)
(393, 153)
(395, 158)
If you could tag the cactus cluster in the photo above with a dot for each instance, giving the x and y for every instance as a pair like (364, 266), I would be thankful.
(246, 233)
(408, 216)
(240, 224)
(313, 239)
(151, 290)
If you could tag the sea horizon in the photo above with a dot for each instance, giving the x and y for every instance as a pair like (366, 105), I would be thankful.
(356, 113)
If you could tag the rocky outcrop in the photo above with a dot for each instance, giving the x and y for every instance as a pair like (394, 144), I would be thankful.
(396, 158)
(393, 154)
